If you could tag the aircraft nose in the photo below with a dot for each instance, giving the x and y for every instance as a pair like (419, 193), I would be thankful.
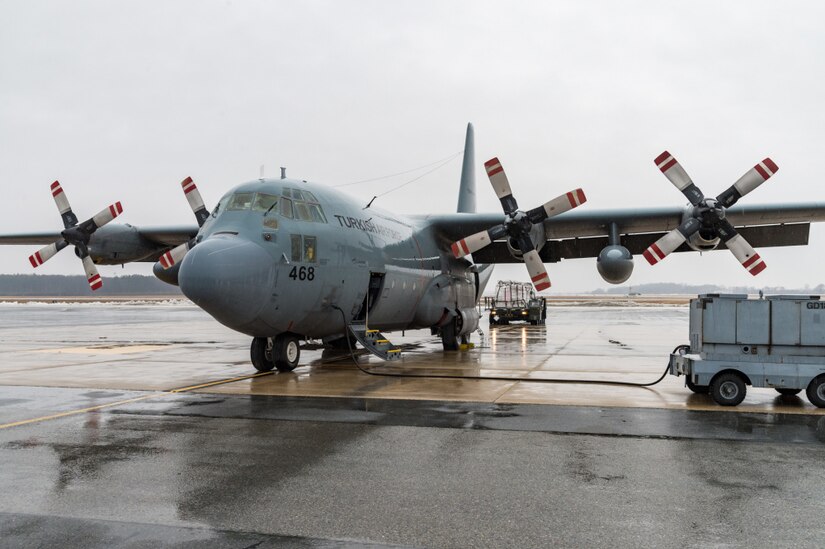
(229, 278)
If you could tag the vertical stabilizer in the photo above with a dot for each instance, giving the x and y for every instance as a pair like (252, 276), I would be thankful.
(467, 191)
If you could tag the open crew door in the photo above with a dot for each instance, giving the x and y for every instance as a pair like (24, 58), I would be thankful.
(373, 293)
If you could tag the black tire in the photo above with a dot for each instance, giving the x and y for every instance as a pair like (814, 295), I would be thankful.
(261, 357)
(816, 392)
(728, 389)
(698, 389)
(449, 339)
(788, 392)
(286, 352)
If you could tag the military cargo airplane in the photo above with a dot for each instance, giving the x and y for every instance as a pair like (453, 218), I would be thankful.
(285, 259)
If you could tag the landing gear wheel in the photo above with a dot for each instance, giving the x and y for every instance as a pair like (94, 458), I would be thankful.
(728, 389)
(788, 392)
(698, 389)
(449, 339)
(260, 355)
(286, 352)
(816, 392)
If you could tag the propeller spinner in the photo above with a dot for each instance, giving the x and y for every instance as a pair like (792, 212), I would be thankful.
(517, 224)
(709, 213)
(76, 234)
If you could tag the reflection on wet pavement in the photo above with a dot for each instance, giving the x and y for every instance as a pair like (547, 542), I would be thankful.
(150, 348)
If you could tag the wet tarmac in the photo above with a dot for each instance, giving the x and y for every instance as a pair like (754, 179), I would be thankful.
(140, 426)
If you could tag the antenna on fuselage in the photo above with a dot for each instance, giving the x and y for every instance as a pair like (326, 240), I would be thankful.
(283, 172)
(262, 171)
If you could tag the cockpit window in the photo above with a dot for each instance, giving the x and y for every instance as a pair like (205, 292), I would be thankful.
(302, 211)
(220, 206)
(264, 202)
(317, 213)
(286, 208)
(240, 201)
(306, 205)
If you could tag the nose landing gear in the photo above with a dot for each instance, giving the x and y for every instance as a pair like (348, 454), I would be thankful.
(281, 352)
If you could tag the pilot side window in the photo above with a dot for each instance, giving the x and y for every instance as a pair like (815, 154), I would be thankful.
(220, 206)
(317, 213)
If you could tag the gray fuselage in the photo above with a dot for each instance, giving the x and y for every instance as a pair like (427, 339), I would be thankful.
(262, 273)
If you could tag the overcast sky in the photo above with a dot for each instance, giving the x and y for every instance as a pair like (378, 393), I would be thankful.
(122, 100)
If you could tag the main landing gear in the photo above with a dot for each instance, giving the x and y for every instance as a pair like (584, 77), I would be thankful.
(281, 352)
(450, 339)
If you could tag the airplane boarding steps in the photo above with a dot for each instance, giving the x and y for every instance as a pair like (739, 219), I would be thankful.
(375, 342)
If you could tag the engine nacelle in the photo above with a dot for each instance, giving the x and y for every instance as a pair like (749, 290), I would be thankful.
(703, 243)
(615, 264)
(705, 239)
(467, 320)
(536, 235)
(118, 244)
(170, 275)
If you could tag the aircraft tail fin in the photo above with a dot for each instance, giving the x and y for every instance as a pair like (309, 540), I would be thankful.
(467, 191)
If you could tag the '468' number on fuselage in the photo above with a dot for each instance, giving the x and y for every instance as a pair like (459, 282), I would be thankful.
(302, 273)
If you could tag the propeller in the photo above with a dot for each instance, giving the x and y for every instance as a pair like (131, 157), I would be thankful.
(517, 224)
(193, 196)
(76, 234)
(709, 213)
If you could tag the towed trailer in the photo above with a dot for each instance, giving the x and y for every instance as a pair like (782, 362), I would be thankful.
(735, 341)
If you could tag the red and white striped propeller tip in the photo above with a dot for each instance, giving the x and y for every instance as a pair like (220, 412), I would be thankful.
(95, 282)
(754, 265)
(493, 166)
(664, 161)
(188, 185)
(166, 260)
(766, 168)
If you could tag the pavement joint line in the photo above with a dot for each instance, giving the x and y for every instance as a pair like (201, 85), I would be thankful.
(129, 400)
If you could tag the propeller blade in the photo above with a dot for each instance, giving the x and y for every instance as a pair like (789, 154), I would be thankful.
(498, 179)
(538, 274)
(740, 247)
(69, 218)
(748, 182)
(679, 177)
(95, 283)
(44, 254)
(475, 242)
(672, 240)
(105, 215)
(175, 255)
(193, 196)
(560, 204)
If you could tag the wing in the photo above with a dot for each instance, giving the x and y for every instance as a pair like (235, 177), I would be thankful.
(116, 244)
(583, 233)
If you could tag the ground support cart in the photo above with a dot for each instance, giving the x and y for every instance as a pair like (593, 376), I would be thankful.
(776, 342)
(516, 302)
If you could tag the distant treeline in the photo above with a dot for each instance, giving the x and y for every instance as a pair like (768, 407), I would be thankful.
(60, 285)
(666, 288)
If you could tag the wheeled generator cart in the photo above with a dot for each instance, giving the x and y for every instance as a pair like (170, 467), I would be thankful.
(735, 341)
